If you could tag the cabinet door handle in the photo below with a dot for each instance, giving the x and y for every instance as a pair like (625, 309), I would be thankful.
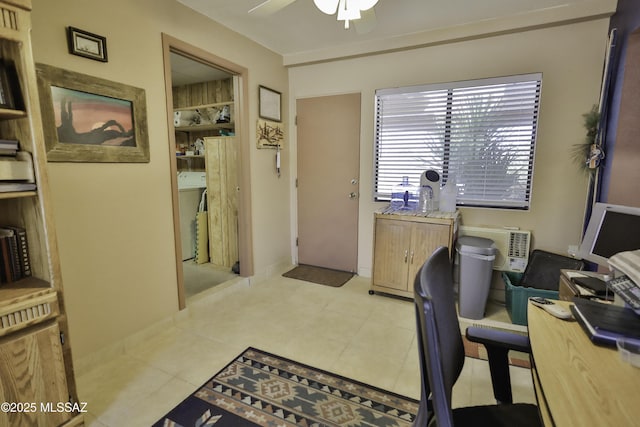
(406, 254)
(411, 257)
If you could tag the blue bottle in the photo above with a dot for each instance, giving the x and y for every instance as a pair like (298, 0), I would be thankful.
(404, 196)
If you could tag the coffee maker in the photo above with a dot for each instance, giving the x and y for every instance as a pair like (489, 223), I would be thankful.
(429, 191)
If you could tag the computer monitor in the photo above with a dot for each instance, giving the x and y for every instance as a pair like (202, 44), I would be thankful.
(611, 229)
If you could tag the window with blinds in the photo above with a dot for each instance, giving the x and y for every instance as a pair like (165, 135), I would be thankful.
(481, 132)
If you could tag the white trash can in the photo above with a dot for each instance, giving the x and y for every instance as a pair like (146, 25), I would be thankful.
(476, 256)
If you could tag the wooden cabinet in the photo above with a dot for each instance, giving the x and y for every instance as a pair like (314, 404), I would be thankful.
(221, 156)
(402, 243)
(35, 353)
(33, 374)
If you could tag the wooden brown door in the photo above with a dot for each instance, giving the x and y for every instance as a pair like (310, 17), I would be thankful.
(328, 135)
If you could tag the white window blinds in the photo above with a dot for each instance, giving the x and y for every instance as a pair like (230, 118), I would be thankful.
(482, 132)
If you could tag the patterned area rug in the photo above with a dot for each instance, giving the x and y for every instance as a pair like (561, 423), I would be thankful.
(320, 275)
(261, 389)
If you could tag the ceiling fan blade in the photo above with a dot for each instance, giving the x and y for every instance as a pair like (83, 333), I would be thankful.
(367, 21)
(269, 7)
(328, 7)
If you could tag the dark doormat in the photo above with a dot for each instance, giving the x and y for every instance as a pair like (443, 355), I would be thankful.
(320, 275)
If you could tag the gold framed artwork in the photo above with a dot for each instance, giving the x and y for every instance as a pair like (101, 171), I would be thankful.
(269, 134)
(88, 119)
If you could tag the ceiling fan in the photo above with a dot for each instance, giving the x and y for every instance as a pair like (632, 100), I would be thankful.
(360, 12)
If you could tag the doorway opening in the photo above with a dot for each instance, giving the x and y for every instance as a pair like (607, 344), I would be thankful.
(206, 105)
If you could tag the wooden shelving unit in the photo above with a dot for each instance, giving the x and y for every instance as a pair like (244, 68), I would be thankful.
(18, 194)
(35, 350)
(206, 127)
(11, 114)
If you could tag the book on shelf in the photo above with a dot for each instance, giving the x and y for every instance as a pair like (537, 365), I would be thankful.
(9, 148)
(16, 173)
(6, 272)
(17, 168)
(11, 144)
(14, 254)
(23, 249)
(6, 187)
(10, 250)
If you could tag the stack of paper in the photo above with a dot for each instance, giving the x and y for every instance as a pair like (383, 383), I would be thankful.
(627, 263)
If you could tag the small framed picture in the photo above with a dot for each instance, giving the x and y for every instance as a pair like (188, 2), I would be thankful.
(86, 44)
(270, 108)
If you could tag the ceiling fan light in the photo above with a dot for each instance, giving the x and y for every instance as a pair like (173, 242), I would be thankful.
(327, 6)
(367, 4)
(348, 10)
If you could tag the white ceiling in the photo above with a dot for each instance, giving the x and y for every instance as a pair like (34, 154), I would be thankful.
(301, 29)
(187, 71)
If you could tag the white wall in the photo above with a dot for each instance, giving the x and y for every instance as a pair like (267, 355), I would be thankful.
(114, 221)
(570, 58)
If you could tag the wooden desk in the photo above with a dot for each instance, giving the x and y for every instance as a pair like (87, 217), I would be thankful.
(578, 383)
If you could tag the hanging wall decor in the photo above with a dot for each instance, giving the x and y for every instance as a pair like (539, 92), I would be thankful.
(269, 134)
(270, 104)
(86, 44)
(88, 119)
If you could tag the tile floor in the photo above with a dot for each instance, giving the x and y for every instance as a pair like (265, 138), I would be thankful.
(343, 330)
(201, 277)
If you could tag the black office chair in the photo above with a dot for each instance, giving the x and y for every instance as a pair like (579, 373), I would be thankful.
(442, 356)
